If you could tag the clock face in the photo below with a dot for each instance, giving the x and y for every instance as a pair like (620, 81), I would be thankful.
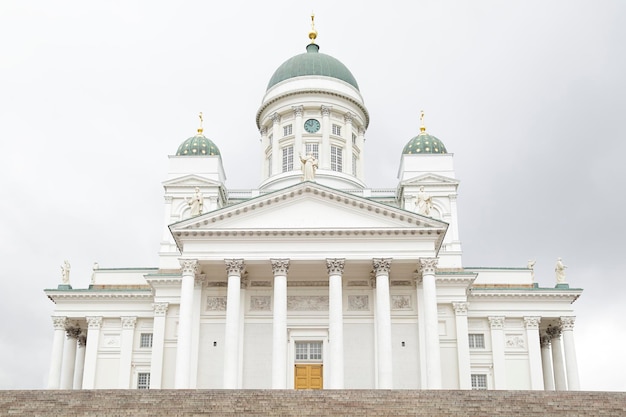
(311, 125)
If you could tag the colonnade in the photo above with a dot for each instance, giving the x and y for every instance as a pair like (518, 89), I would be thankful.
(558, 355)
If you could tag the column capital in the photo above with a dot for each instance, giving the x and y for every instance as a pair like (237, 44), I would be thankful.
(544, 341)
(168, 198)
(189, 266)
(234, 267)
(428, 265)
(452, 197)
(532, 322)
(496, 323)
(361, 131)
(128, 322)
(381, 266)
(280, 266)
(347, 118)
(72, 331)
(298, 110)
(59, 323)
(160, 309)
(460, 308)
(263, 131)
(554, 331)
(335, 266)
(275, 117)
(93, 322)
(199, 280)
(567, 322)
(326, 110)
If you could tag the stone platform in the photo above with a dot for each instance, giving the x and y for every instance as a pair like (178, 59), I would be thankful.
(216, 403)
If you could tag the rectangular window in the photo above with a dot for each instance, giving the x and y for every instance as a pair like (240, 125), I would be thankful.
(476, 341)
(479, 381)
(354, 159)
(336, 158)
(143, 380)
(353, 139)
(309, 351)
(288, 158)
(269, 165)
(145, 340)
(313, 148)
(287, 130)
(337, 130)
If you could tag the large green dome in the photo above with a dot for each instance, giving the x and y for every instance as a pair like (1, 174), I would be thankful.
(198, 145)
(312, 63)
(424, 143)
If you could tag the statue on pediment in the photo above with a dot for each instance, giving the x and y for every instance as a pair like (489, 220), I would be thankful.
(196, 202)
(65, 272)
(424, 204)
(309, 165)
(559, 271)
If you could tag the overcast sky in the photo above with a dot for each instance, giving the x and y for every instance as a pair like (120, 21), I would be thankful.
(530, 96)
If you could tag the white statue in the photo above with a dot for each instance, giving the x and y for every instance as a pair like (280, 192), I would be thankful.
(196, 202)
(424, 202)
(96, 266)
(560, 271)
(65, 272)
(531, 266)
(309, 165)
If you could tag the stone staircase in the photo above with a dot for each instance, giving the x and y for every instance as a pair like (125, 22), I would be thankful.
(216, 403)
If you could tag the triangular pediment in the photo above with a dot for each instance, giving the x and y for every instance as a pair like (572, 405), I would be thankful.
(429, 179)
(190, 180)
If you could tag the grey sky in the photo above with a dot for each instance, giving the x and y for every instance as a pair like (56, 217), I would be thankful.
(530, 96)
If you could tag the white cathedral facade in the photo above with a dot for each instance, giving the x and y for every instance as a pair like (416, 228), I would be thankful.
(313, 280)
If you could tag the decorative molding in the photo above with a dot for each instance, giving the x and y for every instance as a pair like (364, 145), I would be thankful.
(112, 341)
(460, 308)
(428, 266)
(307, 303)
(263, 131)
(401, 302)
(358, 303)
(234, 267)
(168, 198)
(326, 110)
(160, 309)
(567, 322)
(260, 303)
(402, 283)
(532, 323)
(275, 118)
(128, 322)
(307, 283)
(496, 323)
(59, 322)
(199, 280)
(381, 266)
(298, 110)
(94, 323)
(359, 283)
(189, 266)
(216, 284)
(554, 331)
(335, 266)
(216, 303)
(515, 341)
(260, 283)
(280, 266)
(347, 118)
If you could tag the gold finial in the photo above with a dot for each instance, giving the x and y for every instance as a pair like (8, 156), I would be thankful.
(312, 32)
(422, 127)
(200, 129)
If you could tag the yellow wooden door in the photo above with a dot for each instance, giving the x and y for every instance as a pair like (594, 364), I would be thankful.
(308, 376)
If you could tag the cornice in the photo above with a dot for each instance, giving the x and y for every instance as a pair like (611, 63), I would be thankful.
(546, 293)
(80, 295)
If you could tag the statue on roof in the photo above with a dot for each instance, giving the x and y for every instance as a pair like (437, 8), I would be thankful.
(531, 266)
(559, 270)
(196, 202)
(309, 165)
(65, 272)
(424, 203)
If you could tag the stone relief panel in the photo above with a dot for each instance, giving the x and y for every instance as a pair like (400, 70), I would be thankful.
(260, 303)
(260, 284)
(359, 283)
(401, 302)
(307, 303)
(216, 303)
(358, 303)
(515, 341)
(111, 341)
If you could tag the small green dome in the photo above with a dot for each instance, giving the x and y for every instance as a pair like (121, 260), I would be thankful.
(312, 63)
(424, 143)
(198, 145)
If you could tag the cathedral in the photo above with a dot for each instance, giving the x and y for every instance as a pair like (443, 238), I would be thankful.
(313, 280)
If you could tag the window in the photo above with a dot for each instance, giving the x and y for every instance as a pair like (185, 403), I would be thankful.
(354, 159)
(337, 130)
(336, 162)
(269, 165)
(476, 341)
(270, 138)
(309, 351)
(287, 130)
(313, 148)
(143, 380)
(479, 381)
(145, 340)
(353, 139)
(288, 158)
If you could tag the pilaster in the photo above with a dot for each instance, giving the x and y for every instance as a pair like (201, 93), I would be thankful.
(126, 351)
(497, 351)
(462, 345)
(324, 154)
(91, 351)
(534, 352)
(56, 361)
(158, 345)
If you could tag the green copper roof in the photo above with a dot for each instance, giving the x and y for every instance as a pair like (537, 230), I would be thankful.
(312, 63)
(198, 145)
(424, 143)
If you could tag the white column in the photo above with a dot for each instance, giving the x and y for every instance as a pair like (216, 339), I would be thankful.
(347, 118)
(534, 352)
(69, 356)
(195, 329)
(165, 239)
(324, 157)
(158, 345)
(360, 141)
(242, 315)
(431, 321)
(183, 349)
(335, 322)
(56, 361)
(382, 267)
(546, 363)
(420, 329)
(571, 363)
(234, 269)
(280, 267)
(497, 351)
(126, 352)
(276, 156)
(80, 361)
(454, 224)
(91, 351)
(297, 130)
(462, 345)
(264, 145)
(560, 382)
